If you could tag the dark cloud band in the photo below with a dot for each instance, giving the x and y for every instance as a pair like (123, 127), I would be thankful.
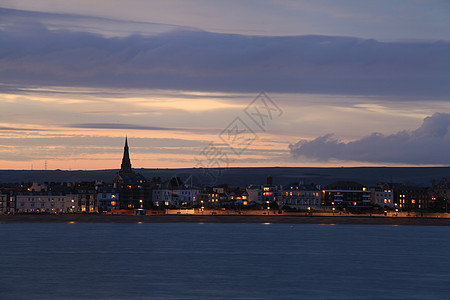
(204, 61)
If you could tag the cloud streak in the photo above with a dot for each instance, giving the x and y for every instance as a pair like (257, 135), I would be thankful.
(429, 144)
(5, 128)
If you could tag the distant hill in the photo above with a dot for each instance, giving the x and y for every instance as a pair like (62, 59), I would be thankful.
(245, 176)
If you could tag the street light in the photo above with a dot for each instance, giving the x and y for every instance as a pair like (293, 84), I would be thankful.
(268, 207)
(396, 209)
(332, 203)
(142, 205)
(202, 206)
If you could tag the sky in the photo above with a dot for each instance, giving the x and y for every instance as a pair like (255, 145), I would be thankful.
(224, 83)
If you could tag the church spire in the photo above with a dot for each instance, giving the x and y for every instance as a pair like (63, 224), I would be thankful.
(126, 163)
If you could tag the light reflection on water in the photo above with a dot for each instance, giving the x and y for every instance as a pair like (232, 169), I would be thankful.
(223, 261)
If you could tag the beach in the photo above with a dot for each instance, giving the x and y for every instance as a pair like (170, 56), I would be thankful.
(263, 219)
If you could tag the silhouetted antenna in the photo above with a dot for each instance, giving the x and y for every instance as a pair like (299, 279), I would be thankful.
(45, 165)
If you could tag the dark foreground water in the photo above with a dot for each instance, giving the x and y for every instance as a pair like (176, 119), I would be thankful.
(223, 261)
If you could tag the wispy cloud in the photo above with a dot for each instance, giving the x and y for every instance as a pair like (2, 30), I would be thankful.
(429, 144)
(86, 23)
(117, 126)
(370, 19)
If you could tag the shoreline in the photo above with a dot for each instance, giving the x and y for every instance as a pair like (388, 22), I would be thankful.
(244, 219)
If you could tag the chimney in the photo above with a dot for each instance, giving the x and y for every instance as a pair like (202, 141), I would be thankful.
(269, 180)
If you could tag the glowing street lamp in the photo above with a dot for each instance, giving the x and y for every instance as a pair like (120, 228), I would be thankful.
(202, 206)
(268, 207)
(142, 205)
(332, 203)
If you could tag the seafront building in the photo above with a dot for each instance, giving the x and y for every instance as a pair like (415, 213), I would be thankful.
(33, 202)
(346, 194)
(108, 198)
(87, 198)
(210, 197)
(382, 195)
(412, 197)
(47, 198)
(237, 197)
(302, 197)
(266, 194)
(440, 195)
(174, 193)
(4, 207)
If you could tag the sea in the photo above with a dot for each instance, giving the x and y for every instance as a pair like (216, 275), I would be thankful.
(223, 261)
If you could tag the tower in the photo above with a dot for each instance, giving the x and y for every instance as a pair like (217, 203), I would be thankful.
(125, 168)
(134, 190)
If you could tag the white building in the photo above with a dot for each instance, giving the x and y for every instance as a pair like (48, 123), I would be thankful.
(382, 196)
(46, 202)
(174, 197)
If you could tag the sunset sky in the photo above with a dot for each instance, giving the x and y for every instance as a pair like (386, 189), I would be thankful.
(347, 83)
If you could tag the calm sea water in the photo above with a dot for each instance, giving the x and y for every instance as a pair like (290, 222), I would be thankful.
(223, 261)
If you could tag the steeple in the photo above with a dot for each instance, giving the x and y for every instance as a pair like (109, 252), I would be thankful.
(125, 168)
